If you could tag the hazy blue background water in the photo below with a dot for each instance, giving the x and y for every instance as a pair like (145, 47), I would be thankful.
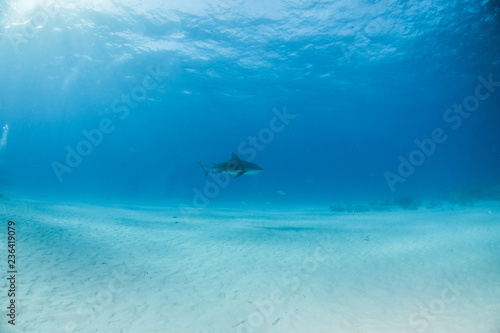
(364, 79)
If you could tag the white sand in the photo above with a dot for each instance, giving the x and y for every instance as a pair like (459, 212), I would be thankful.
(85, 268)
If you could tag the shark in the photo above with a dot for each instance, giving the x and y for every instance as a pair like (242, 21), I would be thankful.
(235, 166)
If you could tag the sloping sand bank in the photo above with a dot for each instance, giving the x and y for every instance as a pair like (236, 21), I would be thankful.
(84, 268)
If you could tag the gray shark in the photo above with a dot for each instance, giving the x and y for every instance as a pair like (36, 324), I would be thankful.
(235, 166)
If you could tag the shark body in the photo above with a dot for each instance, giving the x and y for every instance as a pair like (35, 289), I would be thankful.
(235, 166)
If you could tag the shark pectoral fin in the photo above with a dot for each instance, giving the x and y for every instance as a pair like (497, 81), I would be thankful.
(240, 173)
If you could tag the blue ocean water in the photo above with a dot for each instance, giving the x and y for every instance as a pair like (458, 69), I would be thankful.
(376, 124)
(338, 101)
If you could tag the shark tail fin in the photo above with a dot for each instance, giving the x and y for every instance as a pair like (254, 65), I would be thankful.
(204, 168)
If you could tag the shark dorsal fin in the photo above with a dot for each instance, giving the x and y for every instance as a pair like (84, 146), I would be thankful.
(235, 157)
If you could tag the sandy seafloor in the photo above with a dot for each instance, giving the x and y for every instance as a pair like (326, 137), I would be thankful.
(88, 268)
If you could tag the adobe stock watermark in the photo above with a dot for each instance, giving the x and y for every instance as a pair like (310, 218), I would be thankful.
(291, 281)
(454, 117)
(39, 18)
(119, 108)
(247, 150)
(3, 139)
(420, 320)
